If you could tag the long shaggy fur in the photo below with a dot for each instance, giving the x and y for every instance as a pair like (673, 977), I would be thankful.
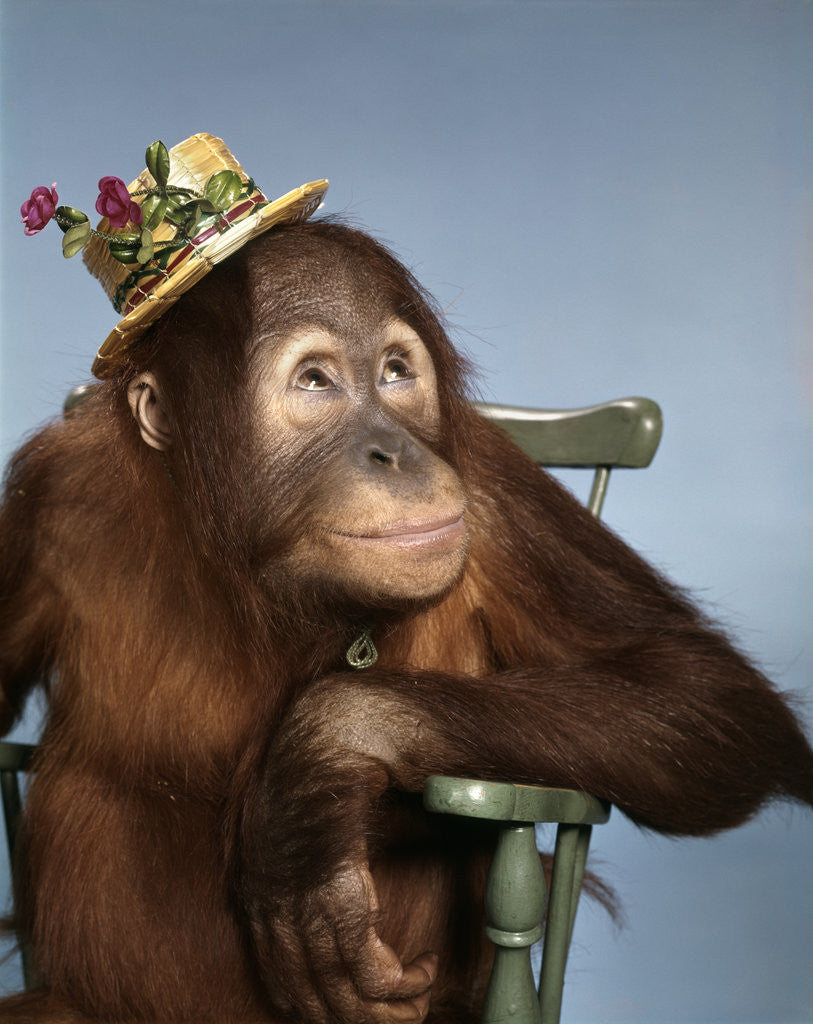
(212, 786)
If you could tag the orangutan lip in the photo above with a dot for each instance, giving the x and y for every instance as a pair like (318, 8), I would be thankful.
(412, 534)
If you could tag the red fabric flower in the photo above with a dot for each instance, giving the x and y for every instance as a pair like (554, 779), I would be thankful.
(115, 203)
(39, 209)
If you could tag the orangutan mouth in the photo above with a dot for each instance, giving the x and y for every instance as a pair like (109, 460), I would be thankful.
(412, 534)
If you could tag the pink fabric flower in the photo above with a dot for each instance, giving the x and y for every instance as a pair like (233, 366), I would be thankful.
(115, 203)
(39, 209)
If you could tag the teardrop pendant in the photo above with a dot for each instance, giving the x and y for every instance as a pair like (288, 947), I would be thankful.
(362, 652)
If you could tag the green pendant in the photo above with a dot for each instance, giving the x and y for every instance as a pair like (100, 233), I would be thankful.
(362, 652)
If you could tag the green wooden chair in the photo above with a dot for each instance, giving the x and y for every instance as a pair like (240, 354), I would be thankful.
(15, 759)
(624, 433)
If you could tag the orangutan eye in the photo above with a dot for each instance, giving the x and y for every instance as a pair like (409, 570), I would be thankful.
(314, 379)
(396, 369)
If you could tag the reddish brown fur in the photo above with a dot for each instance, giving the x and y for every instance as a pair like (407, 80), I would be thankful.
(209, 770)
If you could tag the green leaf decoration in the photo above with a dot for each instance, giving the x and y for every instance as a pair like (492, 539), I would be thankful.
(153, 211)
(125, 247)
(158, 162)
(175, 212)
(207, 218)
(75, 239)
(144, 254)
(67, 216)
(125, 255)
(222, 189)
(193, 219)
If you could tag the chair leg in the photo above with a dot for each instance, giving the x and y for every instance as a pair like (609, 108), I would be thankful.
(570, 855)
(12, 806)
(515, 903)
(582, 849)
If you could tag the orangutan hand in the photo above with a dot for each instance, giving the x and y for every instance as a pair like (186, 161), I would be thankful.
(332, 966)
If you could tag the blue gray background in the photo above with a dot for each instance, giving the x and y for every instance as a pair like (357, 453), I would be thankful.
(608, 198)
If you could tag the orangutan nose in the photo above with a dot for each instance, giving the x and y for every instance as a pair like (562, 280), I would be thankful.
(385, 449)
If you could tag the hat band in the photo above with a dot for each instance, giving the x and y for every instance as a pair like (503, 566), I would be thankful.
(140, 284)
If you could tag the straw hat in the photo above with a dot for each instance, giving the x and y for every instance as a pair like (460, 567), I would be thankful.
(143, 292)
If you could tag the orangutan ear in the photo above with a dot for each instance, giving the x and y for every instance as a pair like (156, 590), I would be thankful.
(147, 405)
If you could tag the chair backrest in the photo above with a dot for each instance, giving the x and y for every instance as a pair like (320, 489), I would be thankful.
(622, 434)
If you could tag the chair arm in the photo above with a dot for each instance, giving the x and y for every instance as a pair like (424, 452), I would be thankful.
(510, 801)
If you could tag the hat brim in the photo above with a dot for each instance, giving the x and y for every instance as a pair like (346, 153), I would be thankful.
(292, 208)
